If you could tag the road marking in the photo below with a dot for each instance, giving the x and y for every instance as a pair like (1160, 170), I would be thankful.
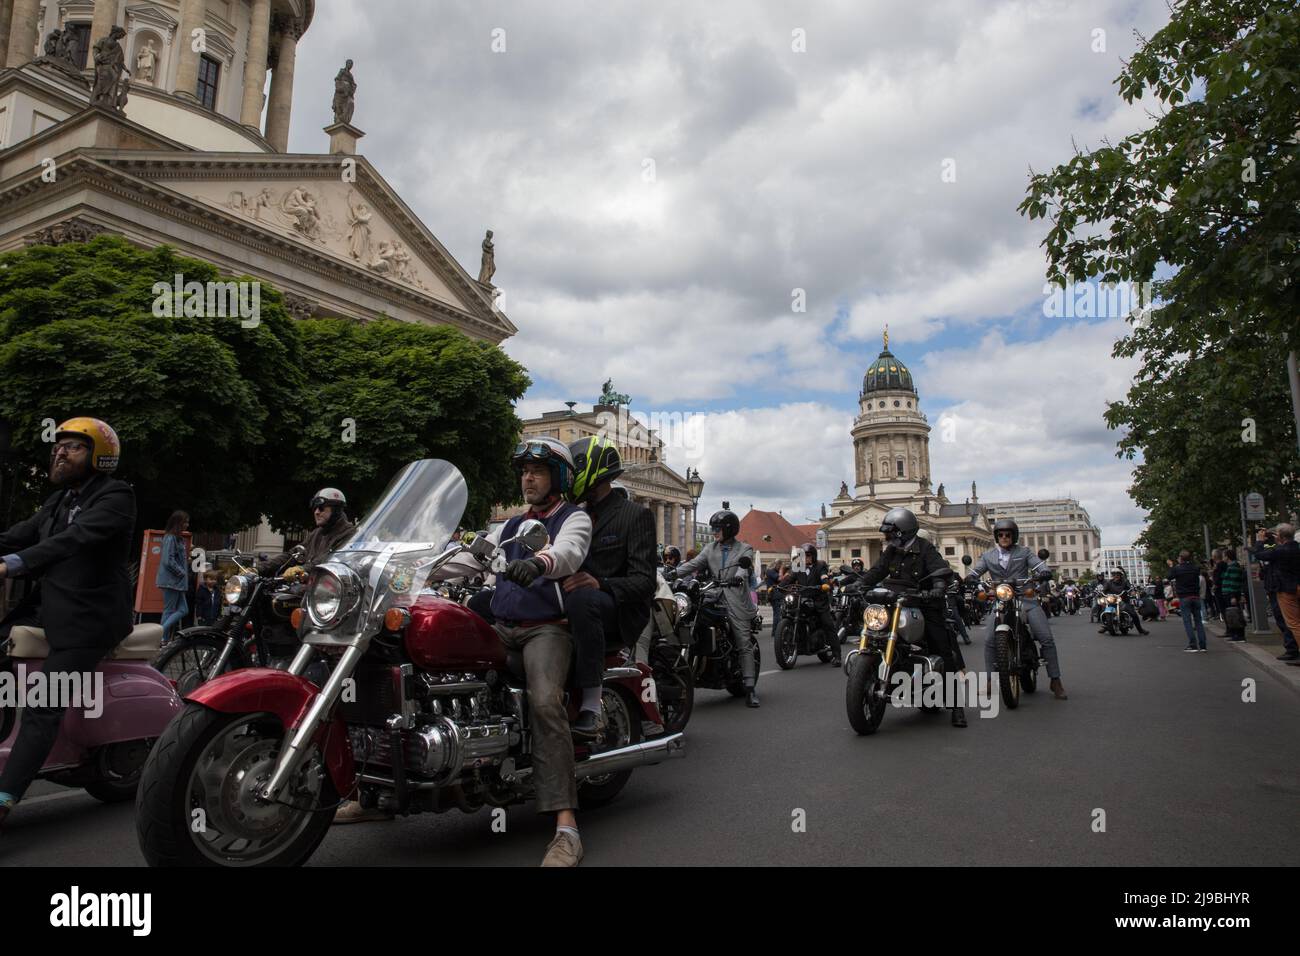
(46, 798)
(765, 673)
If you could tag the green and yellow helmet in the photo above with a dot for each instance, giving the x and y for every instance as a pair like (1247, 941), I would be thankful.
(595, 459)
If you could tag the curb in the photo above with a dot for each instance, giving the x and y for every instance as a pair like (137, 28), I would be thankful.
(1288, 676)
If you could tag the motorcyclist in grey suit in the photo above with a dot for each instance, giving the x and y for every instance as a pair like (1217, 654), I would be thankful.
(1009, 561)
(723, 557)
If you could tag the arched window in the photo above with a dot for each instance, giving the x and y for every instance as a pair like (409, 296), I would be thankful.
(900, 467)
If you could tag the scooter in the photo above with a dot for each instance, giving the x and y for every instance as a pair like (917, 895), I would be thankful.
(102, 745)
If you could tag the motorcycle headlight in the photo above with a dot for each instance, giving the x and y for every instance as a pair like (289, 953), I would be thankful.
(1112, 598)
(875, 617)
(237, 588)
(683, 603)
(332, 596)
(1005, 592)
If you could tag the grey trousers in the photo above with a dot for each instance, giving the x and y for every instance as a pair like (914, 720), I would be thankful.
(548, 651)
(741, 630)
(1036, 621)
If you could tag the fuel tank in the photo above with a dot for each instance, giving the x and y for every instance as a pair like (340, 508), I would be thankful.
(444, 635)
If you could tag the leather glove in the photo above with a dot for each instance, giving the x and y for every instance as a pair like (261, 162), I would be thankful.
(671, 574)
(939, 593)
(524, 571)
(295, 573)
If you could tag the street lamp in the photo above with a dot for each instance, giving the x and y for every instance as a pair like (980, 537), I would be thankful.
(695, 488)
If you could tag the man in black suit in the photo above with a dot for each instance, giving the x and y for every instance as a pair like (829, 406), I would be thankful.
(611, 592)
(77, 548)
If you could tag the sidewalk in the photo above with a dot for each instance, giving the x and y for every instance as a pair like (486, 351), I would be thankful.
(1263, 649)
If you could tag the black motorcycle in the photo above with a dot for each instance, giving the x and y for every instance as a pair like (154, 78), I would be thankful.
(1016, 650)
(800, 631)
(256, 630)
(972, 605)
(713, 649)
(892, 642)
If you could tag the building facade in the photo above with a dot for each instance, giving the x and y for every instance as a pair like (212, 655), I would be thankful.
(1132, 560)
(189, 161)
(648, 480)
(891, 445)
(1061, 525)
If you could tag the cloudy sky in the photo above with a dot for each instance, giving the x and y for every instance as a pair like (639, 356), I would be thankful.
(669, 182)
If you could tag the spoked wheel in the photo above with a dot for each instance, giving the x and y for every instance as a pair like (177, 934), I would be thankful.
(1009, 680)
(187, 661)
(865, 696)
(622, 729)
(199, 802)
(785, 646)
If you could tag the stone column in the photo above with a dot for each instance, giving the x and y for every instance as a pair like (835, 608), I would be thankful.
(105, 19)
(6, 17)
(187, 71)
(659, 523)
(281, 98)
(259, 35)
(24, 31)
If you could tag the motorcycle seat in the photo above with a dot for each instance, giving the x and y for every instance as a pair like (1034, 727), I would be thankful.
(140, 645)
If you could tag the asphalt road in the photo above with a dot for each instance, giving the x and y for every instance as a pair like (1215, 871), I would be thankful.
(1186, 772)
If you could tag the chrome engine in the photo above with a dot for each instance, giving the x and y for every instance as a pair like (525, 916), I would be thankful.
(446, 725)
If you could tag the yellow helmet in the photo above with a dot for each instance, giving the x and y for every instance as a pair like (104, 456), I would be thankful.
(105, 449)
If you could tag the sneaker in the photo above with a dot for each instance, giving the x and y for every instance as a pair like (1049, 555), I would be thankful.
(1236, 640)
(565, 850)
(1202, 651)
(354, 812)
(1189, 650)
(587, 726)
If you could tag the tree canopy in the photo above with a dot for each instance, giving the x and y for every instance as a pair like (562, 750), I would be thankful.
(230, 422)
(1204, 204)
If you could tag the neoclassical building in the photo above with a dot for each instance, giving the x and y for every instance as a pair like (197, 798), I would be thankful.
(197, 157)
(891, 453)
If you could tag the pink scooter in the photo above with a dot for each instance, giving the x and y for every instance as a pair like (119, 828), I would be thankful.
(102, 747)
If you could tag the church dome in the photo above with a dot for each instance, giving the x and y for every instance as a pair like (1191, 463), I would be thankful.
(887, 373)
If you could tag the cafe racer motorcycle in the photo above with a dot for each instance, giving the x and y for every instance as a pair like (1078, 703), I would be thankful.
(422, 710)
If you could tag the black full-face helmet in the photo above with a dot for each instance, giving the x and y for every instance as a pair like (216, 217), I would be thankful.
(1006, 524)
(899, 526)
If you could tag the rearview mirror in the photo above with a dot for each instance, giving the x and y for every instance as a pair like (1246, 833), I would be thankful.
(965, 559)
(746, 562)
(532, 535)
(1044, 553)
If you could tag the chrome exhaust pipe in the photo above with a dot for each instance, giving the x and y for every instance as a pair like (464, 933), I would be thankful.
(637, 755)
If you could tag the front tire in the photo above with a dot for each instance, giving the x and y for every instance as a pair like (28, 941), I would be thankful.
(1010, 683)
(862, 698)
(195, 807)
(676, 704)
(185, 661)
(785, 646)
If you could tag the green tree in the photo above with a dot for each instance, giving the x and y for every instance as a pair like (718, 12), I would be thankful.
(384, 393)
(1205, 205)
(205, 408)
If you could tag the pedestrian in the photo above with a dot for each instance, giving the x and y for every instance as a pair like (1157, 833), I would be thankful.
(207, 601)
(173, 573)
(1207, 591)
(1278, 552)
(1185, 579)
(1233, 589)
(1218, 566)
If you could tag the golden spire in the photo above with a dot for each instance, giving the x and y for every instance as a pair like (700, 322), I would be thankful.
(886, 336)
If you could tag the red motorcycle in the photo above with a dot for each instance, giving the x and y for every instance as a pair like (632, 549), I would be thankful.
(422, 710)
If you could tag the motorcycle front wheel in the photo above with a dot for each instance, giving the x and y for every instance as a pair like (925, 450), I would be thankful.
(1010, 682)
(864, 698)
(785, 646)
(186, 661)
(197, 806)
(676, 690)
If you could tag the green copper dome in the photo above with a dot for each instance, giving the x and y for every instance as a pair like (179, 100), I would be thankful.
(887, 373)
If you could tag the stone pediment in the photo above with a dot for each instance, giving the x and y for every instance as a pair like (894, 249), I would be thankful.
(656, 475)
(861, 517)
(357, 221)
